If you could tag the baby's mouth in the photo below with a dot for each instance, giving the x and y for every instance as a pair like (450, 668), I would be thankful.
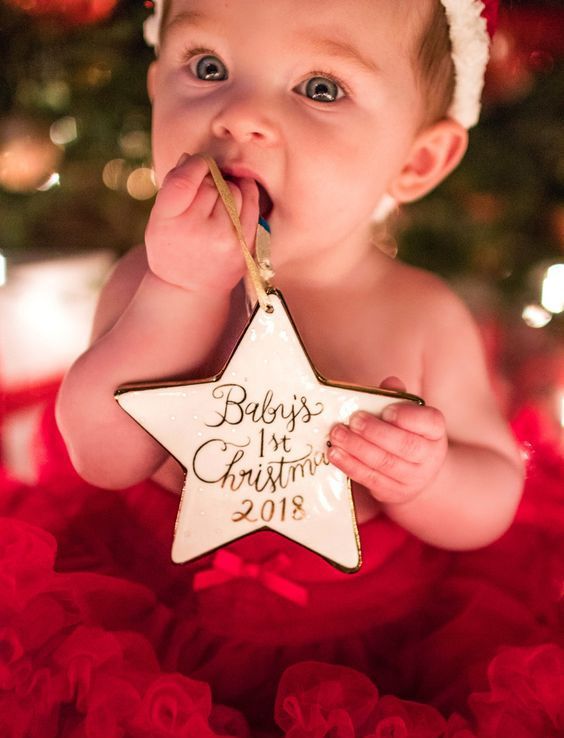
(265, 201)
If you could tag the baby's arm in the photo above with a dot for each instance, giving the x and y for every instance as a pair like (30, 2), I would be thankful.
(160, 316)
(453, 476)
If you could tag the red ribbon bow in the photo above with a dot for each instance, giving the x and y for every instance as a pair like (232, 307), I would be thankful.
(227, 566)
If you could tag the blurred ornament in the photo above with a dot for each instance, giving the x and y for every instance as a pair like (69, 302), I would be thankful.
(64, 130)
(535, 316)
(135, 144)
(95, 75)
(529, 40)
(68, 11)
(508, 77)
(553, 289)
(141, 183)
(53, 93)
(537, 29)
(115, 174)
(28, 157)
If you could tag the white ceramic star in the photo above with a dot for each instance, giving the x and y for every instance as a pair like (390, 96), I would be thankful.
(253, 442)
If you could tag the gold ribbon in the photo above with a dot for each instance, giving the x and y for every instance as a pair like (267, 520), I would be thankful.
(260, 272)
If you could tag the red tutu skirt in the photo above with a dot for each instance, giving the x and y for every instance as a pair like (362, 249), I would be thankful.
(102, 636)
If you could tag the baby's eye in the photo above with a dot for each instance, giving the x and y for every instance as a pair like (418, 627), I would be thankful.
(321, 89)
(209, 68)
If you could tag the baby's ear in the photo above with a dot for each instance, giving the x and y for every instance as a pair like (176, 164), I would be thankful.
(151, 80)
(435, 152)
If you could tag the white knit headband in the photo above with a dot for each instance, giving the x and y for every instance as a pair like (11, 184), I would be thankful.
(470, 52)
(470, 43)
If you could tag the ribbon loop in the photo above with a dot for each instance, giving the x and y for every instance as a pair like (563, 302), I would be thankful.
(227, 566)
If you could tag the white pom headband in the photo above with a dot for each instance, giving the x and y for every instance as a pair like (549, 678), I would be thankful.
(471, 24)
(152, 26)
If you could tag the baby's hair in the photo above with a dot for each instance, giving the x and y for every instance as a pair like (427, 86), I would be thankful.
(434, 65)
(433, 60)
(164, 17)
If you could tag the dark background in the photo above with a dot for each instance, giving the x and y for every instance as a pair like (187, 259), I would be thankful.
(77, 67)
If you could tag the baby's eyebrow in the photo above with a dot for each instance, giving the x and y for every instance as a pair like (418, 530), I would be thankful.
(188, 18)
(342, 50)
(333, 47)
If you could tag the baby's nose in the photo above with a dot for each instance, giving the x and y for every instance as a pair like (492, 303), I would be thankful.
(246, 118)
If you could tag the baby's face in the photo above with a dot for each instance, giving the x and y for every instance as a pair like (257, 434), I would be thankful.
(316, 99)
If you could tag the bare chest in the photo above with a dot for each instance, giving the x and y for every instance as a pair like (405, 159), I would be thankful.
(362, 345)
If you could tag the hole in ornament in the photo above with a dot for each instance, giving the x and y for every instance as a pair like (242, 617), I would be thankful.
(269, 308)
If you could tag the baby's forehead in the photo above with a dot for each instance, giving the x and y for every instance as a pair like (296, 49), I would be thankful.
(306, 20)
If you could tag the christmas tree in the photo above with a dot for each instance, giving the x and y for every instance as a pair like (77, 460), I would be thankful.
(75, 159)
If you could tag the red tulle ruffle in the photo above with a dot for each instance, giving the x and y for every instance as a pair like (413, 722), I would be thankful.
(102, 637)
(68, 668)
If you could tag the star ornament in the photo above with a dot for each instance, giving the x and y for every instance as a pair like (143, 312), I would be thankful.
(253, 442)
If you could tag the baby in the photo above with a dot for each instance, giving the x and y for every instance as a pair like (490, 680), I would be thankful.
(316, 112)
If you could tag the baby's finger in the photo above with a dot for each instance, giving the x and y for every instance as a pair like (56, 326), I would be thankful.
(382, 487)
(393, 383)
(372, 456)
(219, 209)
(424, 421)
(206, 198)
(390, 438)
(180, 186)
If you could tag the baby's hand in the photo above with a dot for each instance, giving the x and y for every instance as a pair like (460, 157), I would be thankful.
(396, 456)
(190, 239)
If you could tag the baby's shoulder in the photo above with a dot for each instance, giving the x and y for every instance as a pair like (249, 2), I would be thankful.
(434, 313)
(422, 293)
